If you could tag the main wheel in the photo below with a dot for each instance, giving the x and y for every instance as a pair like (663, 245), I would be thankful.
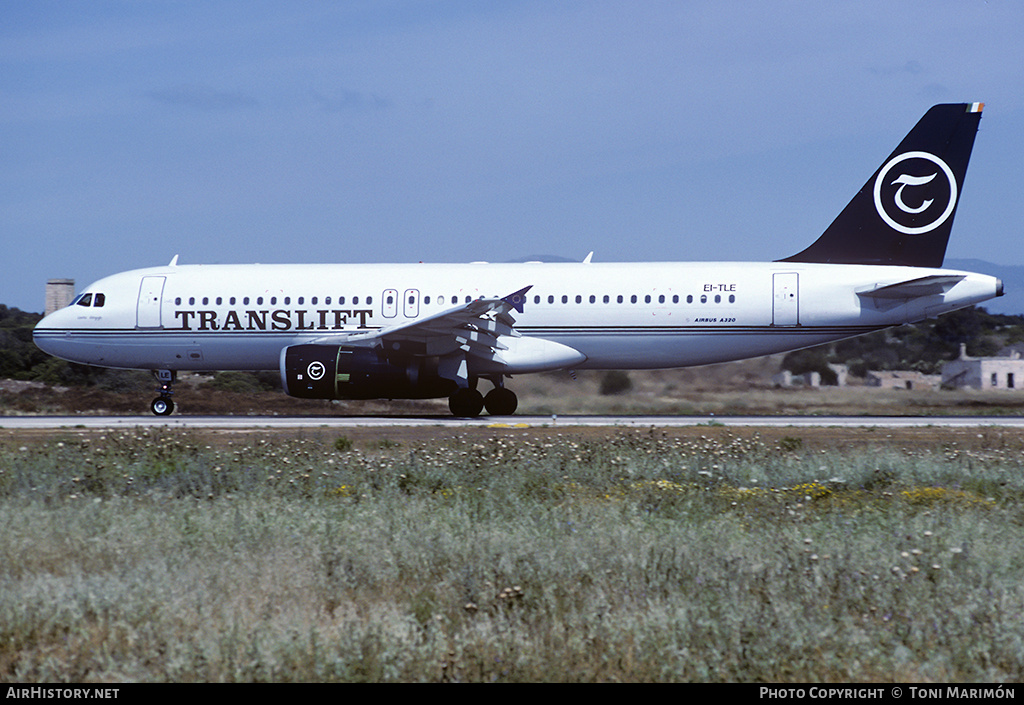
(162, 406)
(466, 402)
(501, 402)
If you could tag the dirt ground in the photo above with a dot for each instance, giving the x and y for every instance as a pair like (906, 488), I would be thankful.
(810, 439)
(739, 388)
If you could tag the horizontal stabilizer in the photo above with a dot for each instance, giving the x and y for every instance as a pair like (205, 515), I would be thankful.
(915, 288)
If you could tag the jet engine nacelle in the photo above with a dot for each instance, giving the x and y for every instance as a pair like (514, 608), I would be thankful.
(343, 372)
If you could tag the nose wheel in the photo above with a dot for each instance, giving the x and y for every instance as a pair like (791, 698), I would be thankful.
(163, 405)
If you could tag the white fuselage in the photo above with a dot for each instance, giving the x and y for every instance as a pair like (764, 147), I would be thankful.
(617, 316)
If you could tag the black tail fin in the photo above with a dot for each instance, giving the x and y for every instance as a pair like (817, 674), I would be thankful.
(904, 213)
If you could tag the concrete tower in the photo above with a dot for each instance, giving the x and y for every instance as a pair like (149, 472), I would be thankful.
(59, 293)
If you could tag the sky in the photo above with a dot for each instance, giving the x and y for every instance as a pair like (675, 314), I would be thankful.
(437, 131)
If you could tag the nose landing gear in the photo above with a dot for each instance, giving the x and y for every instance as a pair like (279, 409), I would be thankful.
(163, 405)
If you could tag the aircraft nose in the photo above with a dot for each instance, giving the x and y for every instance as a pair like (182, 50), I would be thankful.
(40, 332)
(50, 333)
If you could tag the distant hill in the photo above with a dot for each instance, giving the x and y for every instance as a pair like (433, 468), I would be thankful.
(1012, 302)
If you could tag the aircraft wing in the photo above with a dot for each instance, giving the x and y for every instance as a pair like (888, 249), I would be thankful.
(473, 328)
(914, 288)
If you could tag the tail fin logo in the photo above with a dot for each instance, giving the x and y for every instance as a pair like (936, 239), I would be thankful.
(920, 197)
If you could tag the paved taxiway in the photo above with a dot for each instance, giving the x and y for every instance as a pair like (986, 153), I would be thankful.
(278, 422)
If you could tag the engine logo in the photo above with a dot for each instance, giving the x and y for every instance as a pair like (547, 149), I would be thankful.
(919, 196)
(316, 370)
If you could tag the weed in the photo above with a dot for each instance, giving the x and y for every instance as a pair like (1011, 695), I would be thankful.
(154, 555)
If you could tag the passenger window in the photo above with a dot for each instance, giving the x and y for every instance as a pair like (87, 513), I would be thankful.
(661, 298)
(619, 299)
(732, 298)
(689, 298)
(675, 298)
(85, 300)
(551, 299)
(579, 299)
(647, 299)
(632, 299)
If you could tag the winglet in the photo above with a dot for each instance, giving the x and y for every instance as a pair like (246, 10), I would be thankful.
(517, 299)
(174, 261)
(586, 260)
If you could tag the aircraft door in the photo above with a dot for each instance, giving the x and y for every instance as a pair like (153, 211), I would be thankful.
(151, 294)
(411, 300)
(786, 299)
(389, 303)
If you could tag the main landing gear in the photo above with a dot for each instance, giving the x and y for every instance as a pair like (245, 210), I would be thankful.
(163, 405)
(469, 402)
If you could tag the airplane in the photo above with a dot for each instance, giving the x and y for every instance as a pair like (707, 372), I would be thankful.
(417, 331)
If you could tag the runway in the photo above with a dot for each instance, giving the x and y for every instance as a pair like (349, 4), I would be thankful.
(282, 422)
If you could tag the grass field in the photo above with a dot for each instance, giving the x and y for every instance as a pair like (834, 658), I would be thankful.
(694, 554)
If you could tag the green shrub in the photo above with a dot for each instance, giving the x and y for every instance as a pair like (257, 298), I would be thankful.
(615, 382)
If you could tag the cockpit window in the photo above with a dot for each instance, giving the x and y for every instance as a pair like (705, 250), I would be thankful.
(86, 300)
(99, 300)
